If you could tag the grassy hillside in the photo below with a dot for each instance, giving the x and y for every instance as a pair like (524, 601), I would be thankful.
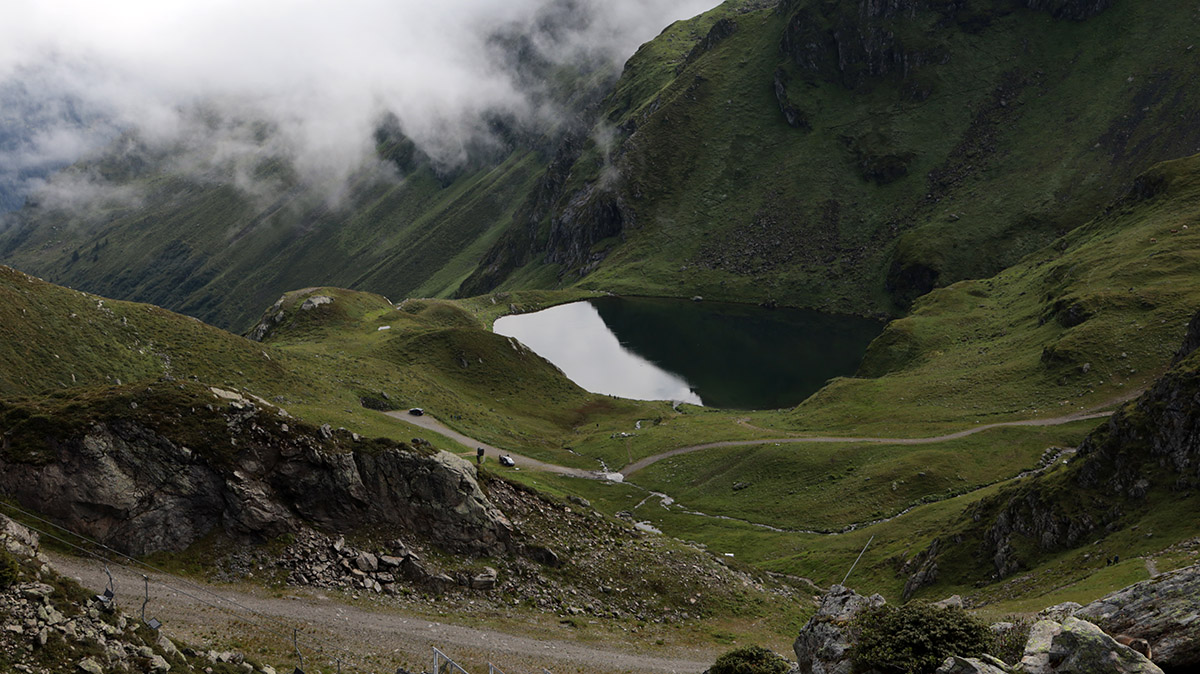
(209, 248)
(1009, 133)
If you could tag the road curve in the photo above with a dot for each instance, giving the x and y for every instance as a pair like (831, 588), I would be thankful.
(430, 424)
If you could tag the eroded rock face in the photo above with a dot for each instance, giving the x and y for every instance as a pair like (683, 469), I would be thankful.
(1164, 611)
(133, 487)
(1077, 646)
(825, 639)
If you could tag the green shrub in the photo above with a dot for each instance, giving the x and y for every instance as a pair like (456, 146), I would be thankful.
(916, 638)
(8, 569)
(750, 660)
(1009, 645)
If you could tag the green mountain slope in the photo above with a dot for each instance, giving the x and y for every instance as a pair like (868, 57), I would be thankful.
(851, 158)
(816, 154)
(213, 250)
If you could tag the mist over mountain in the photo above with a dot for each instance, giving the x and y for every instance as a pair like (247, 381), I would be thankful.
(320, 80)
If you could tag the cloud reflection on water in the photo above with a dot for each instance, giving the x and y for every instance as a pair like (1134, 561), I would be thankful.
(575, 338)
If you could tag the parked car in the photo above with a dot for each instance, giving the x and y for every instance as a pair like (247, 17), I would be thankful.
(416, 412)
(507, 460)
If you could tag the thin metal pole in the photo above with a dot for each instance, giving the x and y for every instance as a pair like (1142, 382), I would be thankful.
(296, 645)
(147, 599)
(856, 560)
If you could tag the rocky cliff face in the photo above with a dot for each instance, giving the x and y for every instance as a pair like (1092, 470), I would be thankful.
(852, 42)
(142, 481)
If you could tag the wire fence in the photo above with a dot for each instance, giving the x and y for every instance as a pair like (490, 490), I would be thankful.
(332, 654)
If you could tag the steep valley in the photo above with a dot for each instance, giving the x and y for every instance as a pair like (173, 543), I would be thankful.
(216, 380)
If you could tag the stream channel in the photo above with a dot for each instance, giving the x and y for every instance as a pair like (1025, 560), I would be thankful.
(733, 356)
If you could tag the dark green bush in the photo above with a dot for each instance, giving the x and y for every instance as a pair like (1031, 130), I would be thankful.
(750, 660)
(8, 569)
(916, 638)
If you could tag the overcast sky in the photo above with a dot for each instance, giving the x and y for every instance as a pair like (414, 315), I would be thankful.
(76, 70)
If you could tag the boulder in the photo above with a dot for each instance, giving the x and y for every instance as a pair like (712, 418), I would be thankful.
(953, 601)
(1059, 612)
(1163, 610)
(485, 580)
(367, 562)
(821, 647)
(1077, 646)
(985, 664)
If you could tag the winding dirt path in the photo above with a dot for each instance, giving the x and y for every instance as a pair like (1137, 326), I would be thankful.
(1053, 421)
(430, 424)
(372, 639)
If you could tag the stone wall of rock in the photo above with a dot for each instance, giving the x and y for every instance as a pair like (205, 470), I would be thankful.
(137, 488)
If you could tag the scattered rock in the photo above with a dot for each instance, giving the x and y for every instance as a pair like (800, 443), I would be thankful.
(984, 664)
(485, 580)
(315, 301)
(953, 601)
(543, 556)
(1059, 612)
(367, 562)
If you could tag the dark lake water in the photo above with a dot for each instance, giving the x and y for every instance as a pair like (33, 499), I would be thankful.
(721, 355)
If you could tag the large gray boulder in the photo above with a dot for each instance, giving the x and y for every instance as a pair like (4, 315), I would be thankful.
(825, 639)
(1164, 611)
(1077, 646)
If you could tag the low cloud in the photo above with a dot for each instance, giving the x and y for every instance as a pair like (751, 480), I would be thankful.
(75, 74)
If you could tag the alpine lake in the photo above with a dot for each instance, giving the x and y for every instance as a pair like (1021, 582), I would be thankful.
(733, 356)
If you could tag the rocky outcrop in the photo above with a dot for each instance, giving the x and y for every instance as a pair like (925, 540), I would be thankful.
(1150, 444)
(824, 641)
(855, 42)
(1076, 646)
(1191, 341)
(592, 215)
(1163, 610)
(141, 484)
(1076, 10)
(721, 30)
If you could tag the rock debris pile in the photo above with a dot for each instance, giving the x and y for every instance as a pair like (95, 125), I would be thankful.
(49, 624)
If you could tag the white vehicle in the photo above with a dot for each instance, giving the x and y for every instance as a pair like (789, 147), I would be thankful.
(507, 460)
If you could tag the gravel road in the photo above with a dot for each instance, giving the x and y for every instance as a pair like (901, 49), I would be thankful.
(375, 639)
